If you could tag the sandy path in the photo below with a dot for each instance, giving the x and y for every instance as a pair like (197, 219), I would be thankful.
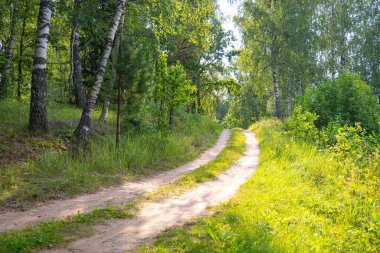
(154, 218)
(116, 195)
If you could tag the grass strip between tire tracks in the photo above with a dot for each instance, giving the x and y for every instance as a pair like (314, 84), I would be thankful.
(301, 199)
(57, 233)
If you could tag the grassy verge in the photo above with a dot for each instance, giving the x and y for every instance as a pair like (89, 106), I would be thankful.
(300, 200)
(58, 233)
(230, 154)
(60, 174)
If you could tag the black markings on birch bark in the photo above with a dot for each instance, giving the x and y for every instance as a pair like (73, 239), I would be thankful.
(107, 99)
(277, 94)
(38, 114)
(84, 125)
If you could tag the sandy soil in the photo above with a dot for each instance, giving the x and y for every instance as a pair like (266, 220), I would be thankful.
(154, 218)
(61, 209)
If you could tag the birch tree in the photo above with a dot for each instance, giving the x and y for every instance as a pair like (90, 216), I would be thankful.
(262, 36)
(107, 99)
(84, 125)
(38, 114)
(20, 80)
(280, 51)
(79, 92)
(8, 56)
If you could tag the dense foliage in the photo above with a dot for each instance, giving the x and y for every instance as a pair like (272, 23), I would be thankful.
(154, 41)
(290, 47)
(348, 100)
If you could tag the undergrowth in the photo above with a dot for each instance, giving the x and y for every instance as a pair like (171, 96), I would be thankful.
(58, 233)
(301, 199)
(59, 173)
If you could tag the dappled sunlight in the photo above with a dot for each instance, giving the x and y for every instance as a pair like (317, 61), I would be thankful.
(154, 218)
(116, 195)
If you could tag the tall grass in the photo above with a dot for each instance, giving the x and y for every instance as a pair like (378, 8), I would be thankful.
(14, 116)
(300, 200)
(60, 173)
(56, 233)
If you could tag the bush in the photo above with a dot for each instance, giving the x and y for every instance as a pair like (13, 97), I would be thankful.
(349, 99)
(301, 124)
(343, 141)
(353, 143)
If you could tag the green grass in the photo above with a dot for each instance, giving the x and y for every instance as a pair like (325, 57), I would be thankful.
(230, 154)
(59, 174)
(58, 233)
(300, 200)
(62, 119)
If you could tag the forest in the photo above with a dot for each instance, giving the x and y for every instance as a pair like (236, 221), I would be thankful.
(189, 126)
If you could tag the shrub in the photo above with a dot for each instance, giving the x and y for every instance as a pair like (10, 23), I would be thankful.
(345, 142)
(349, 99)
(353, 143)
(301, 124)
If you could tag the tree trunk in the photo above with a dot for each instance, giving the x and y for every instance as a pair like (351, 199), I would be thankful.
(171, 118)
(277, 94)
(120, 83)
(38, 114)
(288, 98)
(85, 121)
(8, 58)
(299, 85)
(20, 82)
(333, 42)
(115, 52)
(199, 106)
(62, 77)
(71, 76)
(342, 50)
(80, 94)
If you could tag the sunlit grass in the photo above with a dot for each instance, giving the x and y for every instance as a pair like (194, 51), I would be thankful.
(230, 154)
(57, 233)
(299, 200)
(15, 116)
(58, 173)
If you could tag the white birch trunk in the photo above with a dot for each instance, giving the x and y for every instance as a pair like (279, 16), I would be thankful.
(38, 114)
(80, 94)
(277, 94)
(85, 121)
(115, 52)
(288, 98)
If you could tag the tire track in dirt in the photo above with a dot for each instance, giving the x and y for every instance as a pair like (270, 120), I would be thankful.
(154, 218)
(61, 209)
